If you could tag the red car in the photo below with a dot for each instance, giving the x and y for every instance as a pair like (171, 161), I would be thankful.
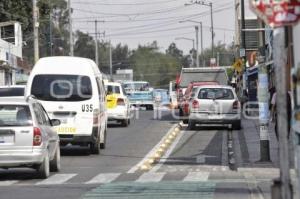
(184, 103)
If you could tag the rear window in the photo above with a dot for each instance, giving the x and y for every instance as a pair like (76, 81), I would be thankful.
(110, 89)
(215, 93)
(11, 92)
(61, 87)
(15, 115)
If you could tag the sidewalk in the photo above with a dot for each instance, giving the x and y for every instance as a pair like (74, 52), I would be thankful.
(247, 150)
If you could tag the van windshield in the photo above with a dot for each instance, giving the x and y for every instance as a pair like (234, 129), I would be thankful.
(61, 87)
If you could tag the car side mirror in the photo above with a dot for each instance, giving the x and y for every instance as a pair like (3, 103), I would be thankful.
(55, 122)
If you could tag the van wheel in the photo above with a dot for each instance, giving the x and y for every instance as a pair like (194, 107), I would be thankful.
(237, 125)
(125, 123)
(103, 145)
(55, 163)
(43, 169)
(95, 147)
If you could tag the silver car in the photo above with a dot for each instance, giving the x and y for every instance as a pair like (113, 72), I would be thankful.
(215, 104)
(27, 138)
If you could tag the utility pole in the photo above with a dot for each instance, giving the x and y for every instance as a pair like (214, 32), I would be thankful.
(197, 46)
(50, 29)
(243, 46)
(70, 29)
(96, 44)
(280, 59)
(201, 31)
(212, 30)
(110, 62)
(35, 31)
(263, 98)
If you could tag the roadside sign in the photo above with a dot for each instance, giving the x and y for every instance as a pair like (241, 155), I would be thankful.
(238, 65)
(277, 13)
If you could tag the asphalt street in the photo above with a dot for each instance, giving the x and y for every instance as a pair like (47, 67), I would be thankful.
(195, 166)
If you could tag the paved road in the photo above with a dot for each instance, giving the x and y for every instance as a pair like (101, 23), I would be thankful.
(196, 166)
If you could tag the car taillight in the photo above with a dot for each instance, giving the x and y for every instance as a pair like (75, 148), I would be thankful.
(236, 105)
(37, 136)
(120, 102)
(195, 104)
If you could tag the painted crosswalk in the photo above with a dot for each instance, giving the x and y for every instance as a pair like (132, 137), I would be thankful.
(103, 178)
(147, 177)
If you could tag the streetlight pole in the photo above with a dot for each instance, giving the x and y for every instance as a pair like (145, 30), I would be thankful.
(35, 31)
(96, 44)
(201, 38)
(70, 29)
(197, 46)
(193, 41)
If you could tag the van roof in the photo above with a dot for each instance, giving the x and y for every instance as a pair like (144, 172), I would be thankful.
(65, 65)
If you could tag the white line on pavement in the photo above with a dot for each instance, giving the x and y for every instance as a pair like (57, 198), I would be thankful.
(103, 178)
(136, 167)
(168, 153)
(8, 182)
(196, 177)
(151, 177)
(57, 179)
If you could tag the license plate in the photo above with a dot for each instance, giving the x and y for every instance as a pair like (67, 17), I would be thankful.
(7, 138)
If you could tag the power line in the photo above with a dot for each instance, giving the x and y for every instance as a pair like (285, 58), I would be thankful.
(125, 4)
(133, 14)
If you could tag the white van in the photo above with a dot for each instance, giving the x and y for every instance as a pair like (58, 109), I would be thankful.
(71, 89)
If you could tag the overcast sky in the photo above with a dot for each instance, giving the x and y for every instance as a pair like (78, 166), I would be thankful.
(135, 22)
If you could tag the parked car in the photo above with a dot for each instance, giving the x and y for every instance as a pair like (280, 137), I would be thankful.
(202, 74)
(12, 91)
(215, 104)
(71, 89)
(184, 103)
(27, 137)
(117, 103)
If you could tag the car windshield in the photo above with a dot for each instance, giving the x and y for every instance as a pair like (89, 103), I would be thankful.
(215, 93)
(15, 115)
(61, 87)
(136, 86)
(11, 92)
(110, 89)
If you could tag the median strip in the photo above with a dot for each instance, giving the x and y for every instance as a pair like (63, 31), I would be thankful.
(162, 151)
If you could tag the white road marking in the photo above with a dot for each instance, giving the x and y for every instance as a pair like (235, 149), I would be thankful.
(104, 178)
(255, 192)
(8, 182)
(196, 177)
(136, 167)
(151, 177)
(57, 179)
(168, 153)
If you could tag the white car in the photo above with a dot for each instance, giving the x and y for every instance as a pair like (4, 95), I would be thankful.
(215, 104)
(27, 138)
(117, 103)
(12, 91)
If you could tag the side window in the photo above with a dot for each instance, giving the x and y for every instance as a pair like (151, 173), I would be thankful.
(44, 113)
(37, 114)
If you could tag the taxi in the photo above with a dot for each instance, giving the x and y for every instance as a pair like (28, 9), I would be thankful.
(117, 103)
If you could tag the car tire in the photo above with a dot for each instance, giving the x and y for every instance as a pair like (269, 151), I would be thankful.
(191, 125)
(185, 121)
(149, 107)
(103, 145)
(124, 122)
(95, 147)
(43, 170)
(237, 125)
(55, 165)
